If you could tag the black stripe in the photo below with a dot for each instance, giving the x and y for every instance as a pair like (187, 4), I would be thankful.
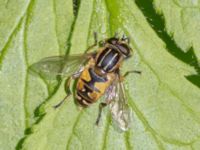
(94, 78)
(80, 101)
(84, 96)
(106, 61)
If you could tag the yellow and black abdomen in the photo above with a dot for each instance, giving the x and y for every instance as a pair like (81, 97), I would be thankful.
(90, 86)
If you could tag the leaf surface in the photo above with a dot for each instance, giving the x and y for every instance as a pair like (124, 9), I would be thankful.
(166, 106)
(182, 19)
(30, 30)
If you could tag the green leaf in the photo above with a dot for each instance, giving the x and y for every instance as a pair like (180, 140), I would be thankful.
(29, 31)
(182, 18)
(11, 17)
(165, 104)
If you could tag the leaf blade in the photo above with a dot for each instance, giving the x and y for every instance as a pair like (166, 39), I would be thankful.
(165, 103)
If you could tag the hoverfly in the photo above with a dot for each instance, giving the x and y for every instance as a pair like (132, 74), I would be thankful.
(97, 74)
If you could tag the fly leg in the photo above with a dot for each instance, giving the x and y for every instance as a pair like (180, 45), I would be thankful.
(132, 71)
(101, 106)
(62, 101)
(68, 94)
(121, 77)
(109, 96)
(68, 91)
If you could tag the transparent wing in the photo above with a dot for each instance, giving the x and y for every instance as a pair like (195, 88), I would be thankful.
(63, 66)
(120, 111)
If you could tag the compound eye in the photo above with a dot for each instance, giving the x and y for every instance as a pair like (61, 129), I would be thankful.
(124, 48)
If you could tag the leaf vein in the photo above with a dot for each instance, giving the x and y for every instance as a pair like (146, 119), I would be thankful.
(105, 134)
(73, 129)
(55, 26)
(26, 113)
(13, 32)
(159, 80)
(145, 122)
(127, 140)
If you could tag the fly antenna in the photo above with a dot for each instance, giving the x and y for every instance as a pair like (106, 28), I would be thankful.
(125, 38)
